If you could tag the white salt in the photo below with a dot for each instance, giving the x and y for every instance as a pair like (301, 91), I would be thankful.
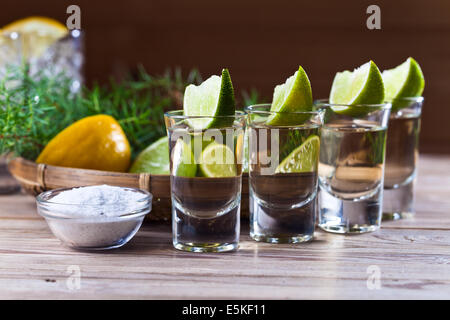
(96, 211)
(102, 200)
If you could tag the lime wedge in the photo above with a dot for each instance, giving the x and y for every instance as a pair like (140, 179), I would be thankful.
(404, 81)
(154, 159)
(302, 159)
(293, 96)
(362, 86)
(213, 98)
(199, 141)
(183, 161)
(217, 160)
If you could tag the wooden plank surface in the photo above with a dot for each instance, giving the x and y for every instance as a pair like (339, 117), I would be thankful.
(412, 257)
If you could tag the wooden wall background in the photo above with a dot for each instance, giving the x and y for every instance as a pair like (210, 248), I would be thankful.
(263, 42)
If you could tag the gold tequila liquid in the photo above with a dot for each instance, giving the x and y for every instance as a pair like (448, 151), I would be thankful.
(351, 160)
(282, 205)
(402, 151)
(206, 210)
(351, 176)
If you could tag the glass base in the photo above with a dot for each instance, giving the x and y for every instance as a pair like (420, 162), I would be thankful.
(206, 247)
(216, 234)
(392, 216)
(349, 216)
(271, 239)
(347, 229)
(282, 224)
(398, 203)
(115, 246)
(69, 234)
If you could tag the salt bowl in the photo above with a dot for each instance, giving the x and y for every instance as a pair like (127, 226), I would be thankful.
(94, 217)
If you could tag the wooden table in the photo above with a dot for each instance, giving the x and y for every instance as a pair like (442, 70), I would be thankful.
(412, 258)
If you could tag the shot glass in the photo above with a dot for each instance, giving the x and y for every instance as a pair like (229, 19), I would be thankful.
(402, 152)
(205, 180)
(10, 57)
(10, 52)
(351, 167)
(283, 162)
(43, 55)
(64, 56)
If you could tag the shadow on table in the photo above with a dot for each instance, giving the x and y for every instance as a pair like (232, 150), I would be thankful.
(8, 185)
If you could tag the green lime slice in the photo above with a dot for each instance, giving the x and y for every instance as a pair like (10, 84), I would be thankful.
(213, 98)
(302, 159)
(294, 95)
(199, 141)
(217, 160)
(404, 81)
(154, 159)
(362, 86)
(183, 161)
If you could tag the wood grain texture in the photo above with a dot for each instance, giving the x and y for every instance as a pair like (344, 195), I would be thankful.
(412, 255)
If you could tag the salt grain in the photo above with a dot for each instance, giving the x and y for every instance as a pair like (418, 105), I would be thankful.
(103, 200)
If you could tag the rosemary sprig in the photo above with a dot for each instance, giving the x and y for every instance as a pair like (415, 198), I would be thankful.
(35, 109)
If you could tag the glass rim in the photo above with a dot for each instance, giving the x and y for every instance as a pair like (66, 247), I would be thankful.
(74, 33)
(326, 103)
(411, 99)
(250, 109)
(238, 114)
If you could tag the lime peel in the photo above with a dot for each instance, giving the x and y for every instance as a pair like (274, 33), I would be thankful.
(302, 159)
(212, 98)
(183, 161)
(295, 95)
(363, 86)
(154, 159)
(217, 160)
(403, 81)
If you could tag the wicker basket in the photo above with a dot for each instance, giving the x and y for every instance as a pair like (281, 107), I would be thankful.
(36, 178)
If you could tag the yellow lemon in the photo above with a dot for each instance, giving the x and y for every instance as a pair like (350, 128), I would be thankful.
(37, 33)
(37, 24)
(95, 142)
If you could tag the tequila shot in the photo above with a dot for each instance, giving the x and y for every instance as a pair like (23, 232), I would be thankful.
(351, 167)
(283, 162)
(206, 181)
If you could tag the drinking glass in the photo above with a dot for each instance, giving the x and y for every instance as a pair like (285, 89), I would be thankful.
(10, 51)
(351, 167)
(402, 152)
(42, 56)
(10, 56)
(205, 180)
(283, 161)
